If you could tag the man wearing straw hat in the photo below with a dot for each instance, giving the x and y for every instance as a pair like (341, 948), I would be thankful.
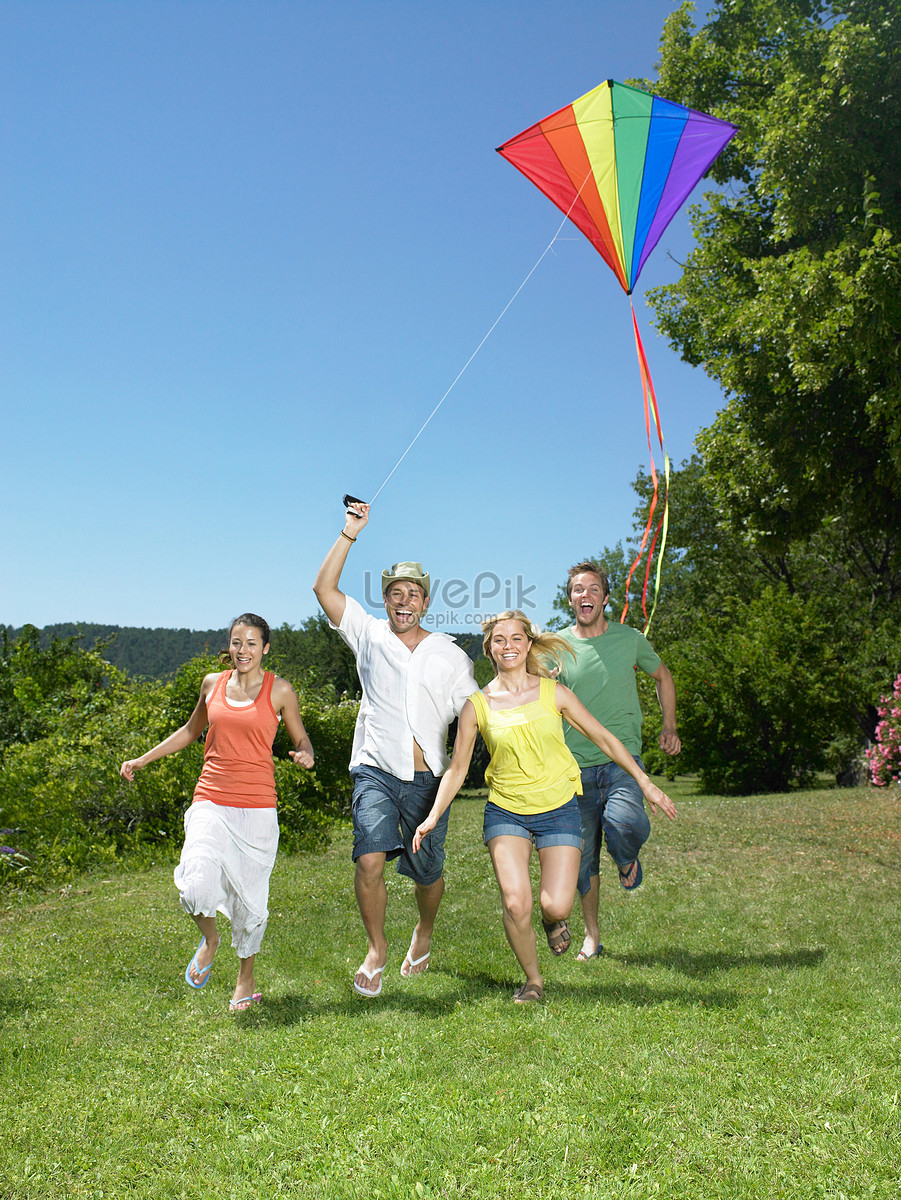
(414, 684)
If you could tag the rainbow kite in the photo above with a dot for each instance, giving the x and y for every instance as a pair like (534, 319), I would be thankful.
(619, 163)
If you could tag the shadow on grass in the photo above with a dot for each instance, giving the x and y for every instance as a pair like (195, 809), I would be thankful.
(295, 1009)
(588, 993)
(477, 989)
(18, 996)
(711, 961)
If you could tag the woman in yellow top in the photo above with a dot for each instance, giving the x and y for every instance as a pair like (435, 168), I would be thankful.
(533, 781)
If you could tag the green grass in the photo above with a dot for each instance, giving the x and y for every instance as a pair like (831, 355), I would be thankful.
(740, 1037)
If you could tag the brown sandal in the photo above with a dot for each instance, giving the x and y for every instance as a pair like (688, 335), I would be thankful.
(558, 936)
(529, 993)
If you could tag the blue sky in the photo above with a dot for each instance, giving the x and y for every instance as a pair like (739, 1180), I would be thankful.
(247, 248)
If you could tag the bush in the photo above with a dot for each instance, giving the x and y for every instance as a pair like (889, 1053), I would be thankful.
(64, 796)
(309, 801)
(762, 696)
(39, 686)
(66, 808)
(656, 762)
(885, 757)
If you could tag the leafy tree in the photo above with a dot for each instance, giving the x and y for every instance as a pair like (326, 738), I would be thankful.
(791, 301)
(792, 296)
(315, 652)
(718, 592)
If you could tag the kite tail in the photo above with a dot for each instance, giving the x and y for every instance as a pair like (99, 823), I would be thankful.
(662, 528)
(650, 405)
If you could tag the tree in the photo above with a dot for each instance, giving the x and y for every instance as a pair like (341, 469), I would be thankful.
(791, 300)
(315, 652)
(720, 593)
(792, 296)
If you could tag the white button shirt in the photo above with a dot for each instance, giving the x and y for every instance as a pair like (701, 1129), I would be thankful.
(407, 694)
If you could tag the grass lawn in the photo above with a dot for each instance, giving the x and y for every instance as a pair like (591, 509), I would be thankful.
(740, 1036)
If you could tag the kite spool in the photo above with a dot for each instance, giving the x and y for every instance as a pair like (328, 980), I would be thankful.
(349, 500)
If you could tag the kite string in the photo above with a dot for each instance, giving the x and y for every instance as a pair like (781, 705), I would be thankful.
(483, 341)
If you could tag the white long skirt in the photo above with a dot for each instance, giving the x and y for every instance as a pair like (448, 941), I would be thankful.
(225, 866)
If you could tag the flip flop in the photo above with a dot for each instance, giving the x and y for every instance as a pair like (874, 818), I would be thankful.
(630, 887)
(241, 1005)
(370, 975)
(583, 957)
(407, 972)
(204, 974)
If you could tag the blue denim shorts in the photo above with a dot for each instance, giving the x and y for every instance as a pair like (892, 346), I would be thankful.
(559, 827)
(386, 812)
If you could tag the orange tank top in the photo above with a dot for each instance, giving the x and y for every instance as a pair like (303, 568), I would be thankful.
(238, 770)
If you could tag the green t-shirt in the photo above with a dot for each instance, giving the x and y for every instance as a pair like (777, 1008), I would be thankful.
(603, 678)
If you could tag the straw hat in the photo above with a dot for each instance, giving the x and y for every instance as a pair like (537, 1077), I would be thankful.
(411, 571)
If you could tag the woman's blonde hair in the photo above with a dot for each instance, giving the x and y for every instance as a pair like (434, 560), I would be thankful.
(546, 648)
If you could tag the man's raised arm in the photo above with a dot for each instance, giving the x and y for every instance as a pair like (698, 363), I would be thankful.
(328, 593)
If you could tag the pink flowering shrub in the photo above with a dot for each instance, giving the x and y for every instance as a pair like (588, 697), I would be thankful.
(885, 757)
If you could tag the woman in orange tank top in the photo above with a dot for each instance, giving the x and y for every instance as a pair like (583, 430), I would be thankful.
(231, 829)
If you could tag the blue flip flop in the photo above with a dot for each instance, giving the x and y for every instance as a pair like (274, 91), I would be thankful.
(636, 883)
(583, 957)
(204, 974)
(242, 1005)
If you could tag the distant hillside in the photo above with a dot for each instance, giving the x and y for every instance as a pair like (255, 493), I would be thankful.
(149, 653)
(156, 653)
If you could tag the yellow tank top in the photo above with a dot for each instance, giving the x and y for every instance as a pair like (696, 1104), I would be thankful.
(531, 769)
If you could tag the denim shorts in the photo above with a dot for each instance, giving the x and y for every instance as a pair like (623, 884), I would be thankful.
(613, 812)
(560, 827)
(386, 812)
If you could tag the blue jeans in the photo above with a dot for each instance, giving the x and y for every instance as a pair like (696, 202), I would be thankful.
(386, 811)
(612, 810)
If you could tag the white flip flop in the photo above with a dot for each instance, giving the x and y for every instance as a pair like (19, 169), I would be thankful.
(414, 962)
(370, 975)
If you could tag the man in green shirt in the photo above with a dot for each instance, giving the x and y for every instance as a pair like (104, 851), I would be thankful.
(603, 677)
